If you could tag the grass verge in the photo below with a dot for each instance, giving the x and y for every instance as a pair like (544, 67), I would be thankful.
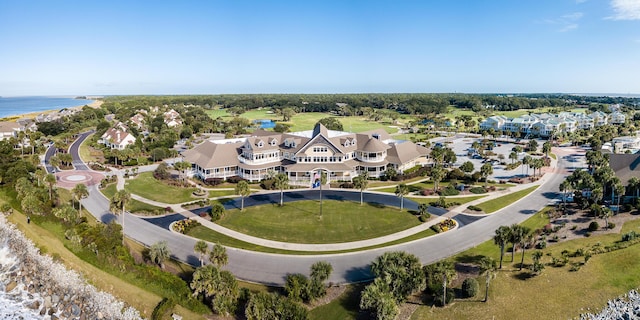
(501, 202)
(134, 206)
(146, 186)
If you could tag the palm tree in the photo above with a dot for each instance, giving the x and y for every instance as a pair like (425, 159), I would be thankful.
(447, 271)
(119, 202)
(634, 184)
(50, 179)
(159, 253)
(486, 170)
(201, 248)
(526, 161)
(516, 233)
(501, 238)
(80, 192)
(437, 174)
(281, 181)
(564, 187)
(401, 191)
(488, 268)
(526, 239)
(513, 156)
(218, 255)
(361, 182)
(321, 270)
(242, 189)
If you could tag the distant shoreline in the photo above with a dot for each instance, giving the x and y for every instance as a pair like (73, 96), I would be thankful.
(13, 118)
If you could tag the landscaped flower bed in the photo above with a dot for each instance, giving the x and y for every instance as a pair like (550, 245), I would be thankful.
(443, 226)
(184, 226)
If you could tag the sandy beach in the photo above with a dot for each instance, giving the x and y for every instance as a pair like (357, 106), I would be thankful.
(32, 115)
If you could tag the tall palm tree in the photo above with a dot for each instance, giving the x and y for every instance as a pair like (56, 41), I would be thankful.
(634, 184)
(242, 189)
(361, 182)
(401, 191)
(201, 248)
(516, 234)
(488, 268)
(501, 238)
(486, 170)
(526, 240)
(80, 192)
(119, 202)
(50, 179)
(159, 253)
(281, 181)
(218, 255)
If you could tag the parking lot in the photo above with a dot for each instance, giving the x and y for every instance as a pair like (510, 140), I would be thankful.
(460, 144)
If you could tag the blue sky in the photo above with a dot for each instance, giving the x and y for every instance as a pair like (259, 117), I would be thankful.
(209, 47)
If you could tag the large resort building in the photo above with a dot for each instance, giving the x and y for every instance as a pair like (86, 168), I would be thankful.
(301, 155)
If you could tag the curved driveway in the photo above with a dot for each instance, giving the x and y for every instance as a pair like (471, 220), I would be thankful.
(272, 269)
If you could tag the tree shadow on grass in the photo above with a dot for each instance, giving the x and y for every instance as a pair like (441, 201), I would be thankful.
(376, 205)
(467, 258)
(523, 275)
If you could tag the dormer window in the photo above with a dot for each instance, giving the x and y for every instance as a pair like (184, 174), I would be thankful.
(273, 142)
(347, 143)
(376, 136)
(260, 144)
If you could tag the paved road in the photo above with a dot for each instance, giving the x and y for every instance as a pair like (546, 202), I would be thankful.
(348, 267)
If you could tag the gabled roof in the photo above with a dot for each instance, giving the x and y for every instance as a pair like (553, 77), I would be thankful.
(117, 136)
(400, 153)
(9, 126)
(213, 155)
(625, 166)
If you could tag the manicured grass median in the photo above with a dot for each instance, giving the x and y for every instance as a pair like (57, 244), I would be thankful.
(301, 222)
(134, 206)
(146, 186)
(499, 203)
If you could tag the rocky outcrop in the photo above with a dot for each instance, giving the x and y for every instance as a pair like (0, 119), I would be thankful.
(623, 308)
(48, 288)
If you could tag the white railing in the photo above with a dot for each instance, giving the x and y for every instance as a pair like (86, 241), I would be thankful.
(260, 161)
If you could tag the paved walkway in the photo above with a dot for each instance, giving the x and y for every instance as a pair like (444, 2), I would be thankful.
(459, 210)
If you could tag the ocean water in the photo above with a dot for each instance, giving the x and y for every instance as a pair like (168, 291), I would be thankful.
(11, 106)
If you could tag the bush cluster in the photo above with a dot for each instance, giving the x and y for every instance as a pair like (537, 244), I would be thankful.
(235, 179)
(213, 181)
(474, 208)
(184, 226)
(594, 226)
(443, 226)
(470, 287)
(477, 190)
(449, 191)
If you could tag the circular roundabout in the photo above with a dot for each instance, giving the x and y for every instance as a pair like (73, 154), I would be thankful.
(70, 179)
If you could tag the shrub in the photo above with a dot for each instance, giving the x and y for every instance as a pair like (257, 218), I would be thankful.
(184, 226)
(424, 217)
(449, 191)
(449, 296)
(541, 245)
(217, 211)
(611, 225)
(474, 208)
(213, 181)
(470, 287)
(427, 192)
(594, 226)
(163, 307)
(477, 190)
(629, 236)
(234, 179)
(268, 184)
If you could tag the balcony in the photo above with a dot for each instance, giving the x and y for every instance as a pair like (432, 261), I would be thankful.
(259, 161)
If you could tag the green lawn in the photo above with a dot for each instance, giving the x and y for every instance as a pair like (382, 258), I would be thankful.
(207, 234)
(146, 186)
(300, 222)
(134, 206)
(501, 202)
(306, 121)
